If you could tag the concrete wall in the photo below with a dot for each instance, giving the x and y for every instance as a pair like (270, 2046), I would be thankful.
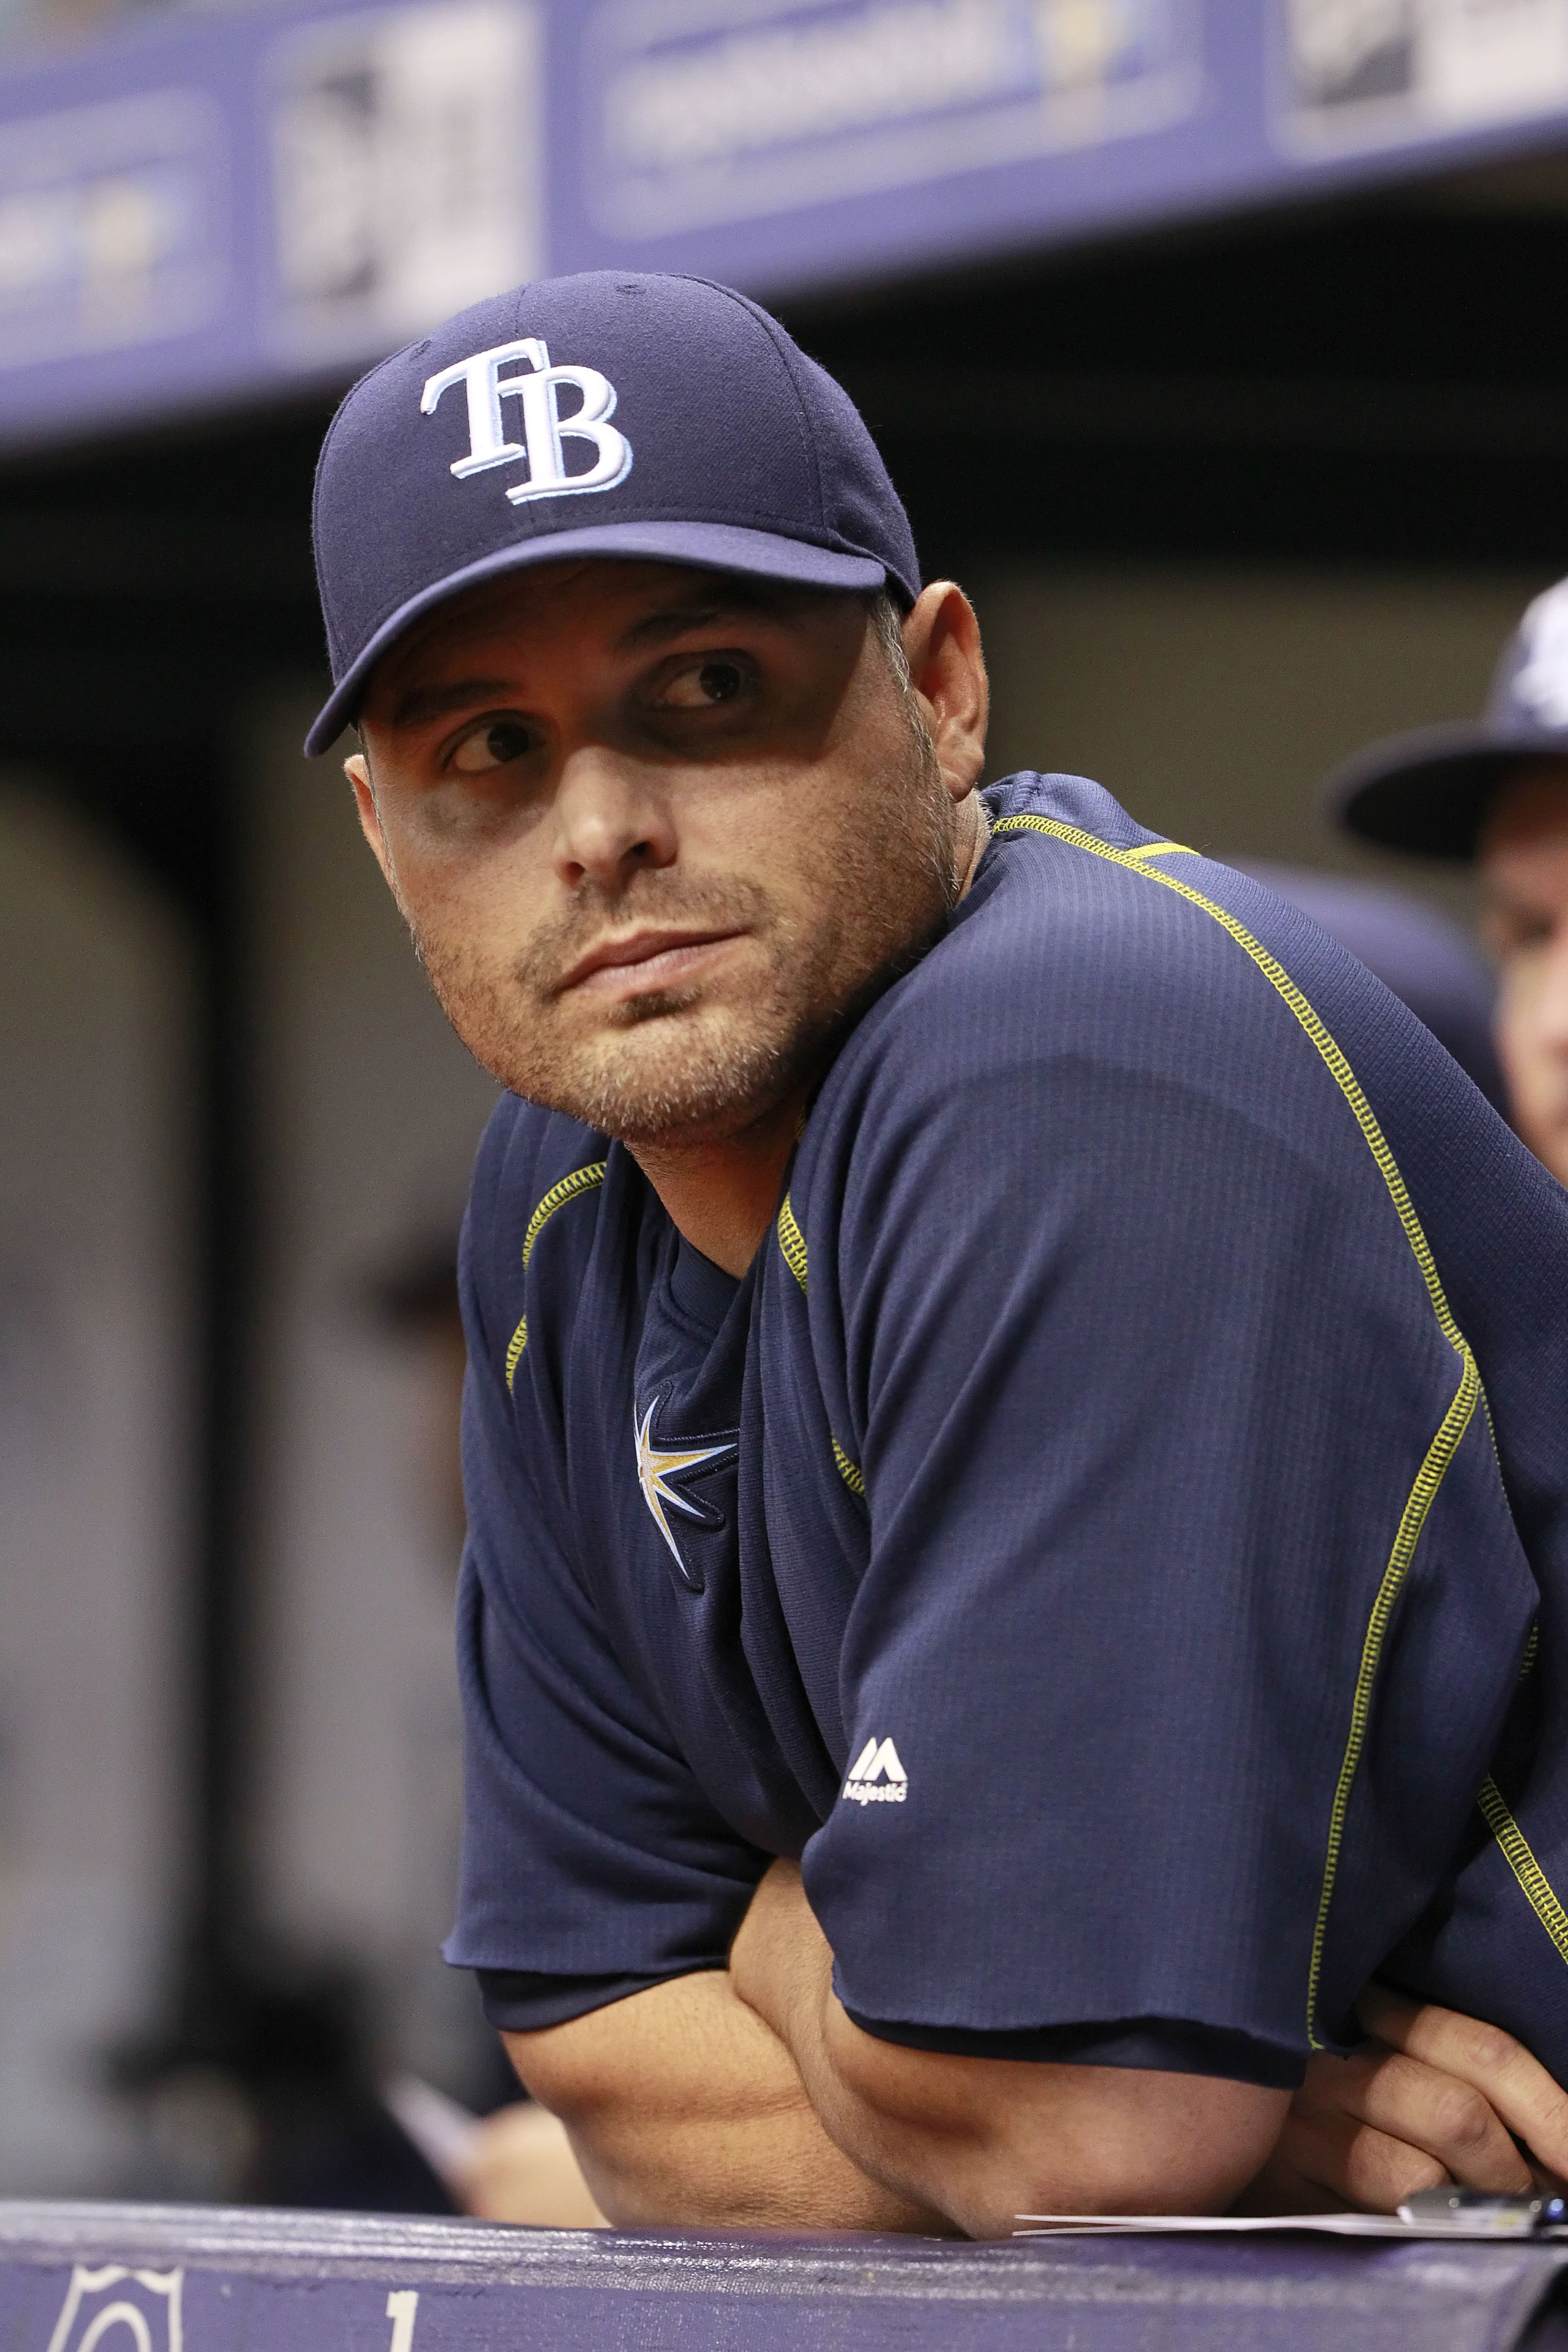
(95, 1397)
(1212, 702)
(370, 1113)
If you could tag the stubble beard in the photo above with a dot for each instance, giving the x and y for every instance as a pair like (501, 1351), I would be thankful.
(690, 1064)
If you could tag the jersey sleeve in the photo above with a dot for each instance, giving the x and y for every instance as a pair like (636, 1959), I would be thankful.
(1192, 1603)
(591, 1864)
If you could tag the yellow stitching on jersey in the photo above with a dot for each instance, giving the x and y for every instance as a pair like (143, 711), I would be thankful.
(582, 1180)
(1423, 1495)
(1530, 1647)
(1456, 1419)
(1338, 1067)
(1163, 849)
(792, 1241)
(1523, 1863)
(854, 1479)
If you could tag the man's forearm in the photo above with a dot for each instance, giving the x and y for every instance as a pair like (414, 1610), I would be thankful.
(982, 2139)
(685, 2108)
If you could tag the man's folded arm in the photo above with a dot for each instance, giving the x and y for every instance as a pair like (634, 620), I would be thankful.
(984, 2139)
(684, 2108)
(747, 2097)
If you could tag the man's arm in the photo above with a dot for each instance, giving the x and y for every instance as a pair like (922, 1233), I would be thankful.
(984, 2139)
(684, 2106)
(1430, 2098)
(685, 2109)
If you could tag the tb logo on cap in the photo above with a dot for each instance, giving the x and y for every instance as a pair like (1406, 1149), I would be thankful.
(543, 426)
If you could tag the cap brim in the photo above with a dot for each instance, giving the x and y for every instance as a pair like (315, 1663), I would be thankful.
(1428, 791)
(718, 547)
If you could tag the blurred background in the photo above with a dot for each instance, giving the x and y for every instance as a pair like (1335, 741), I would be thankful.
(1218, 346)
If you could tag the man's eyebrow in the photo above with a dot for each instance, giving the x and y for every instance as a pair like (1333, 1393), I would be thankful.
(1512, 905)
(657, 628)
(418, 704)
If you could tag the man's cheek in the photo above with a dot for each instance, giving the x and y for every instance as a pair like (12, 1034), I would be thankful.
(1519, 996)
(1534, 1067)
(1517, 1055)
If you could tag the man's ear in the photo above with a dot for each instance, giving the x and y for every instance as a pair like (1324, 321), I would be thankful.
(357, 768)
(947, 670)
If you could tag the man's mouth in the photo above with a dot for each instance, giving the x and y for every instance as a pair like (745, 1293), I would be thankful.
(644, 962)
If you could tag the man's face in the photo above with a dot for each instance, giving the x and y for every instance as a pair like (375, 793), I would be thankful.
(1523, 858)
(657, 832)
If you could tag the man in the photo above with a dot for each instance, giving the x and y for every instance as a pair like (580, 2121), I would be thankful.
(990, 1594)
(1496, 793)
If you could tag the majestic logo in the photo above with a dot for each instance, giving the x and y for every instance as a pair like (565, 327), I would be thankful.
(877, 1776)
(657, 1465)
(144, 2303)
(545, 429)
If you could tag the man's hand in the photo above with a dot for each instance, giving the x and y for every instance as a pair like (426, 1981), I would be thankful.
(984, 2139)
(1431, 2098)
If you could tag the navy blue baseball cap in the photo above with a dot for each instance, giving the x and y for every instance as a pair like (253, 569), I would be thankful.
(1429, 790)
(607, 414)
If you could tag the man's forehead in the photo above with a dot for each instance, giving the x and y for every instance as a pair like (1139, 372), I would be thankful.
(1527, 811)
(613, 602)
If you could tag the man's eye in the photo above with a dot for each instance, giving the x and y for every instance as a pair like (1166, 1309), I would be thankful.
(704, 685)
(1510, 930)
(491, 747)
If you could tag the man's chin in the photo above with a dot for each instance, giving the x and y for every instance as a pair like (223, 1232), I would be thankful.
(668, 1079)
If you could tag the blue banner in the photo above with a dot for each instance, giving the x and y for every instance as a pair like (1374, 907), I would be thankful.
(203, 212)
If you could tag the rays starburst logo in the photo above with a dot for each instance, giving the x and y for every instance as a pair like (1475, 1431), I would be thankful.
(658, 1466)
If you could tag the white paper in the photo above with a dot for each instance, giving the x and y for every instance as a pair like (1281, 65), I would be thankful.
(1227, 2225)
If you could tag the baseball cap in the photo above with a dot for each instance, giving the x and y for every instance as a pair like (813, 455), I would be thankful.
(1429, 789)
(606, 414)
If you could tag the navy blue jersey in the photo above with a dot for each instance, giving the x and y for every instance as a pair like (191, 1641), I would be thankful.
(1101, 1536)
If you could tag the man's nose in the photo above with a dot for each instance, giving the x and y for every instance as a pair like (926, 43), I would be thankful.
(612, 817)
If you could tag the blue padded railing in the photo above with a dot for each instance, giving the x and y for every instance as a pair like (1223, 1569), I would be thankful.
(142, 2278)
